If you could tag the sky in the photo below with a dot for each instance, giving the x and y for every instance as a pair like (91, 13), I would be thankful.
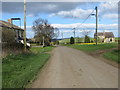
(66, 16)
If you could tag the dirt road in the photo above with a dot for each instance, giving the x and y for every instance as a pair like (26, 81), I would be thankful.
(70, 68)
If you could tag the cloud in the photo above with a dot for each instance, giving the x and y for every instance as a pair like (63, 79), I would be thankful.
(35, 8)
(86, 26)
(110, 16)
(63, 9)
(28, 27)
(108, 7)
(108, 10)
(67, 29)
(75, 13)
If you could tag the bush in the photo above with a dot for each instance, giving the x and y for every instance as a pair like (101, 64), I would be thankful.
(87, 39)
(91, 41)
(8, 35)
(72, 41)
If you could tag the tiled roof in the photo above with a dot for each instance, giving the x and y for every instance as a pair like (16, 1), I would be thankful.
(106, 34)
(9, 25)
(109, 34)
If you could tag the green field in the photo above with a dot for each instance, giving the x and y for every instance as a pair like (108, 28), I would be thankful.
(19, 70)
(68, 40)
(112, 55)
(81, 39)
(91, 48)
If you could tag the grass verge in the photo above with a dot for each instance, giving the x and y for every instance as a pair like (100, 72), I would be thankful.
(19, 70)
(91, 48)
(112, 54)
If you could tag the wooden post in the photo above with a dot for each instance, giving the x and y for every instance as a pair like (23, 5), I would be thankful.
(25, 25)
(96, 25)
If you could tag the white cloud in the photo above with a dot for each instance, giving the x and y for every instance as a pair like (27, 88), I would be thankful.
(108, 10)
(28, 27)
(108, 7)
(86, 26)
(110, 16)
(75, 13)
(83, 26)
(30, 15)
(35, 8)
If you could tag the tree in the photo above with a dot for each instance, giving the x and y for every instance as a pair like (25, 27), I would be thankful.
(86, 33)
(43, 29)
(72, 41)
(87, 39)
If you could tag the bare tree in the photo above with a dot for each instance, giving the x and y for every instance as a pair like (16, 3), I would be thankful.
(85, 32)
(43, 29)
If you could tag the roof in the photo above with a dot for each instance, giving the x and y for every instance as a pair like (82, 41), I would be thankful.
(109, 34)
(100, 33)
(9, 25)
(106, 34)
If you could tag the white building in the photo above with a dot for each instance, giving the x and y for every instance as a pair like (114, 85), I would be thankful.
(105, 36)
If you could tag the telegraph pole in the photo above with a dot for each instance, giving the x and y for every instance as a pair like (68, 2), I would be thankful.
(43, 41)
(74, 32)
(25, 25)
(62, 35)
(96, 24)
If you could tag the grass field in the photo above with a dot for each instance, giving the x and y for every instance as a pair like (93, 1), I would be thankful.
(68, 40)
(90, 48)
(81, 39)
(112, 55)
(19, 70)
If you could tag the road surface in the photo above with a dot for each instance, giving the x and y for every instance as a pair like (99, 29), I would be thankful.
(70, 68)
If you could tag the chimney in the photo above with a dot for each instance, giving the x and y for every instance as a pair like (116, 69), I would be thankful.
(10, 21)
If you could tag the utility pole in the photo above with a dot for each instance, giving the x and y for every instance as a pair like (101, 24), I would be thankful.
(62, 35)
(43, 41)
(25, 25)
(96, 24)
(74, 33)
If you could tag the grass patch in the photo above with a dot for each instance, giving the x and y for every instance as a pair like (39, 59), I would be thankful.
(41, 49)
(113, 55)
(19, 70)
(91, 48)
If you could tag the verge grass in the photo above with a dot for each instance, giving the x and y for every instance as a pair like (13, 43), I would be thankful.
(19, 70)
(113, 55)
(91, 47)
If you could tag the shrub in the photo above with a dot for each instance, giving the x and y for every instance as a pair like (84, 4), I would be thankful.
(72, 41)
(8, 35)
(91, 41)
(87, 39)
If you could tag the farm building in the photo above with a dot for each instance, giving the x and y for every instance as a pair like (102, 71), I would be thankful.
(9, 26)
(105, 36)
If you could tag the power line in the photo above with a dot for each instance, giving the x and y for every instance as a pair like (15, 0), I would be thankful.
(87, 17)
